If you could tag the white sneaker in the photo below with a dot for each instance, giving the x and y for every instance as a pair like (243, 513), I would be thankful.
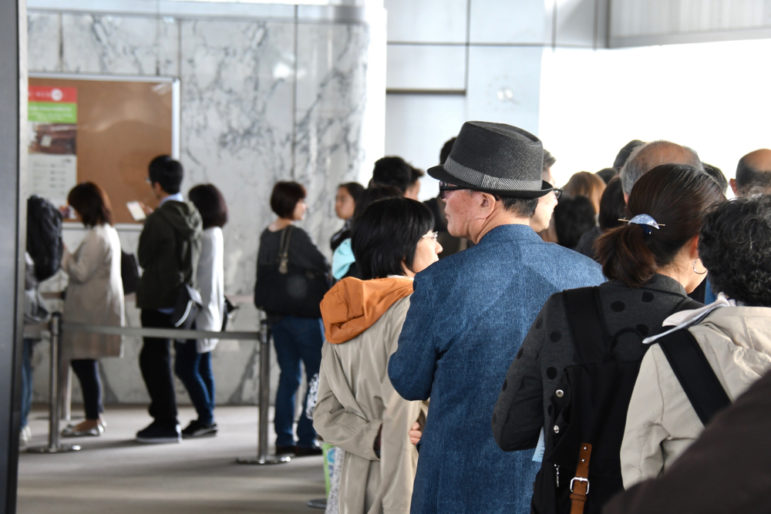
(25, 435)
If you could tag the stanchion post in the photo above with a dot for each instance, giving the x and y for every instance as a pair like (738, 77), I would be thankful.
(53, 392)
(264, 397)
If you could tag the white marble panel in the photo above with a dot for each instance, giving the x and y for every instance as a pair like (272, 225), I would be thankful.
(426, 67)
(504, 84)
(110, 44)
(331, 99)
(43, 39)
(581, 23)
(236, 127)
(427, 21)
(507, 22)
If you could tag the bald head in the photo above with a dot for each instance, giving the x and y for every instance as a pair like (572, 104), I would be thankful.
(648, 156)
(753, 174)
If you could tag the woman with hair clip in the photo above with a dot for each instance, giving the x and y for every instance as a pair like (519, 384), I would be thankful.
(358, 409)
(651, 262)
(95, 297)
(733, 333)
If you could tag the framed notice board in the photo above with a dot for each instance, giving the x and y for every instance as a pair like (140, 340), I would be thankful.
(100, 129)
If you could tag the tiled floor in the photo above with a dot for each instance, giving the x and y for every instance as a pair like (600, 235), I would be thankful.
(113, 474)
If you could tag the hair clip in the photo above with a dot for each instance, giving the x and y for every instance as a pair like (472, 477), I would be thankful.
(646, 221)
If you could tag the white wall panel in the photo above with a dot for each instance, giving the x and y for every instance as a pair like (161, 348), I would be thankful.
(427, 21)
(510, 22)
(426, 67)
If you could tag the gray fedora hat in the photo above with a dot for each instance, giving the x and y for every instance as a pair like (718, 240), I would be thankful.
(494, 158)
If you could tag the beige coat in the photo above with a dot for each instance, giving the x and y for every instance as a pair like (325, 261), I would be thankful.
(355, 398)
(94, 294)
(661, 422)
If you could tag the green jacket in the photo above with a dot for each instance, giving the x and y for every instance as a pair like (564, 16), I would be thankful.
(168, 252)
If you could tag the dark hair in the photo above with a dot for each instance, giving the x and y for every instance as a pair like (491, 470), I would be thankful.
(586, 184)
(520, 206)
(735, 246)
(392, 171)
(354, 189)
(446, 149)
(717, 175)
(607, 174)
(372, 194)
(415, 174)
(625, 152)
(284, 198)
(750, 179)
(612, 205)
(387, 234)
(548, 159)
(676, 196)
(210, 204)
(167, 172)
(92, 204)
(573, 217)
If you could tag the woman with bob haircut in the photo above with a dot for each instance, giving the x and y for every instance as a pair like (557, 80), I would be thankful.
(358, 409)
(734, 333)
(94, 297)
(192, 362)
(296, 336)
(652, 263)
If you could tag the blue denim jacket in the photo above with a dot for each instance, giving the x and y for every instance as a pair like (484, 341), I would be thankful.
(467, 319)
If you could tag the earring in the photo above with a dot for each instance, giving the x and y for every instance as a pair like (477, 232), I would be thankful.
(698, 272)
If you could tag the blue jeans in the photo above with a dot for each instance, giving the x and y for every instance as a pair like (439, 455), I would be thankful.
(295, 340)
(26, 380)
(194, 370)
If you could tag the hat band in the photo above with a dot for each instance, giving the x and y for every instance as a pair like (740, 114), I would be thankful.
(483, 181)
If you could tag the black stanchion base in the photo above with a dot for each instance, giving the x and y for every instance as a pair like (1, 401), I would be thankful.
(62, 448)
(262, 461)
(319, 503)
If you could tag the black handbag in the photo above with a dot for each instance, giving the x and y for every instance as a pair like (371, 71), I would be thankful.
(286, 289)
(187, 307)
(129, 272)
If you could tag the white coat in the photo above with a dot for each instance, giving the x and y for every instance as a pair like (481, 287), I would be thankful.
(210, 277)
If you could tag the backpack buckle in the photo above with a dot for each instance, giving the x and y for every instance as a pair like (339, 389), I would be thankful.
(579, 479)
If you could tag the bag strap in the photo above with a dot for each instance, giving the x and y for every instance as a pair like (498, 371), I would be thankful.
(283, 250)
(579, 484)
(585, 320)
(696, 376)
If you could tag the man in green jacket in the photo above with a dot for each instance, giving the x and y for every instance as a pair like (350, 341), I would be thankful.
(168, 252)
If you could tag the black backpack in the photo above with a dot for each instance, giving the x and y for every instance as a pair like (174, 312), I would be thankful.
(588, 409)
(44, 236)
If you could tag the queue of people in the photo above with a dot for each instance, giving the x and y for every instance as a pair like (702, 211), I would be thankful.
(515, 375)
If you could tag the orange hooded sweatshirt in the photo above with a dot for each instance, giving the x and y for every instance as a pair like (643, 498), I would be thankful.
(353, 305)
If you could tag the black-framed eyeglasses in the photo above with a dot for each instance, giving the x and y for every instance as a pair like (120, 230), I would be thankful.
(557, 191)
(444, 187)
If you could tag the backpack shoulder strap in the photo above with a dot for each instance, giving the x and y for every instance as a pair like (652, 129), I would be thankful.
(585, 320)
(694, 373)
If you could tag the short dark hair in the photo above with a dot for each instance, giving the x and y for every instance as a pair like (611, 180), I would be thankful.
(416, 174)
(625, 152)
(284, 198)
(572, 217)
(607, 174)
(354, 189)
(676, 196)
(92, 204)
(372, 194)
(387, 234)
(749, 179)
(735, 247)
(612, 205)
(167, 172)
(210, 204)
(717, 175)
(446, 149)
(392, 171)
(524, 207)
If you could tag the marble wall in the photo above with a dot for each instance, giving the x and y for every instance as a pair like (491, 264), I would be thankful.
(262, 99)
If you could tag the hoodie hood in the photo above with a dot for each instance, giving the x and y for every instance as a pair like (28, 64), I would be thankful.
(353, 305)
(183, 216)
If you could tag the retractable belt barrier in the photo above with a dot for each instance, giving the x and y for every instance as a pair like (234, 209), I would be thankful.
(56, 327)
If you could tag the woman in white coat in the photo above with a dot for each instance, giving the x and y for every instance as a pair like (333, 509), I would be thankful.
(94, 296)
(193, 358)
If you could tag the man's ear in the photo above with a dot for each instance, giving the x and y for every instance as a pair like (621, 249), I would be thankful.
(733, 186)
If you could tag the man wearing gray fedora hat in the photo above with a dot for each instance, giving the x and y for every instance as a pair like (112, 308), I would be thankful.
(469, 314)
